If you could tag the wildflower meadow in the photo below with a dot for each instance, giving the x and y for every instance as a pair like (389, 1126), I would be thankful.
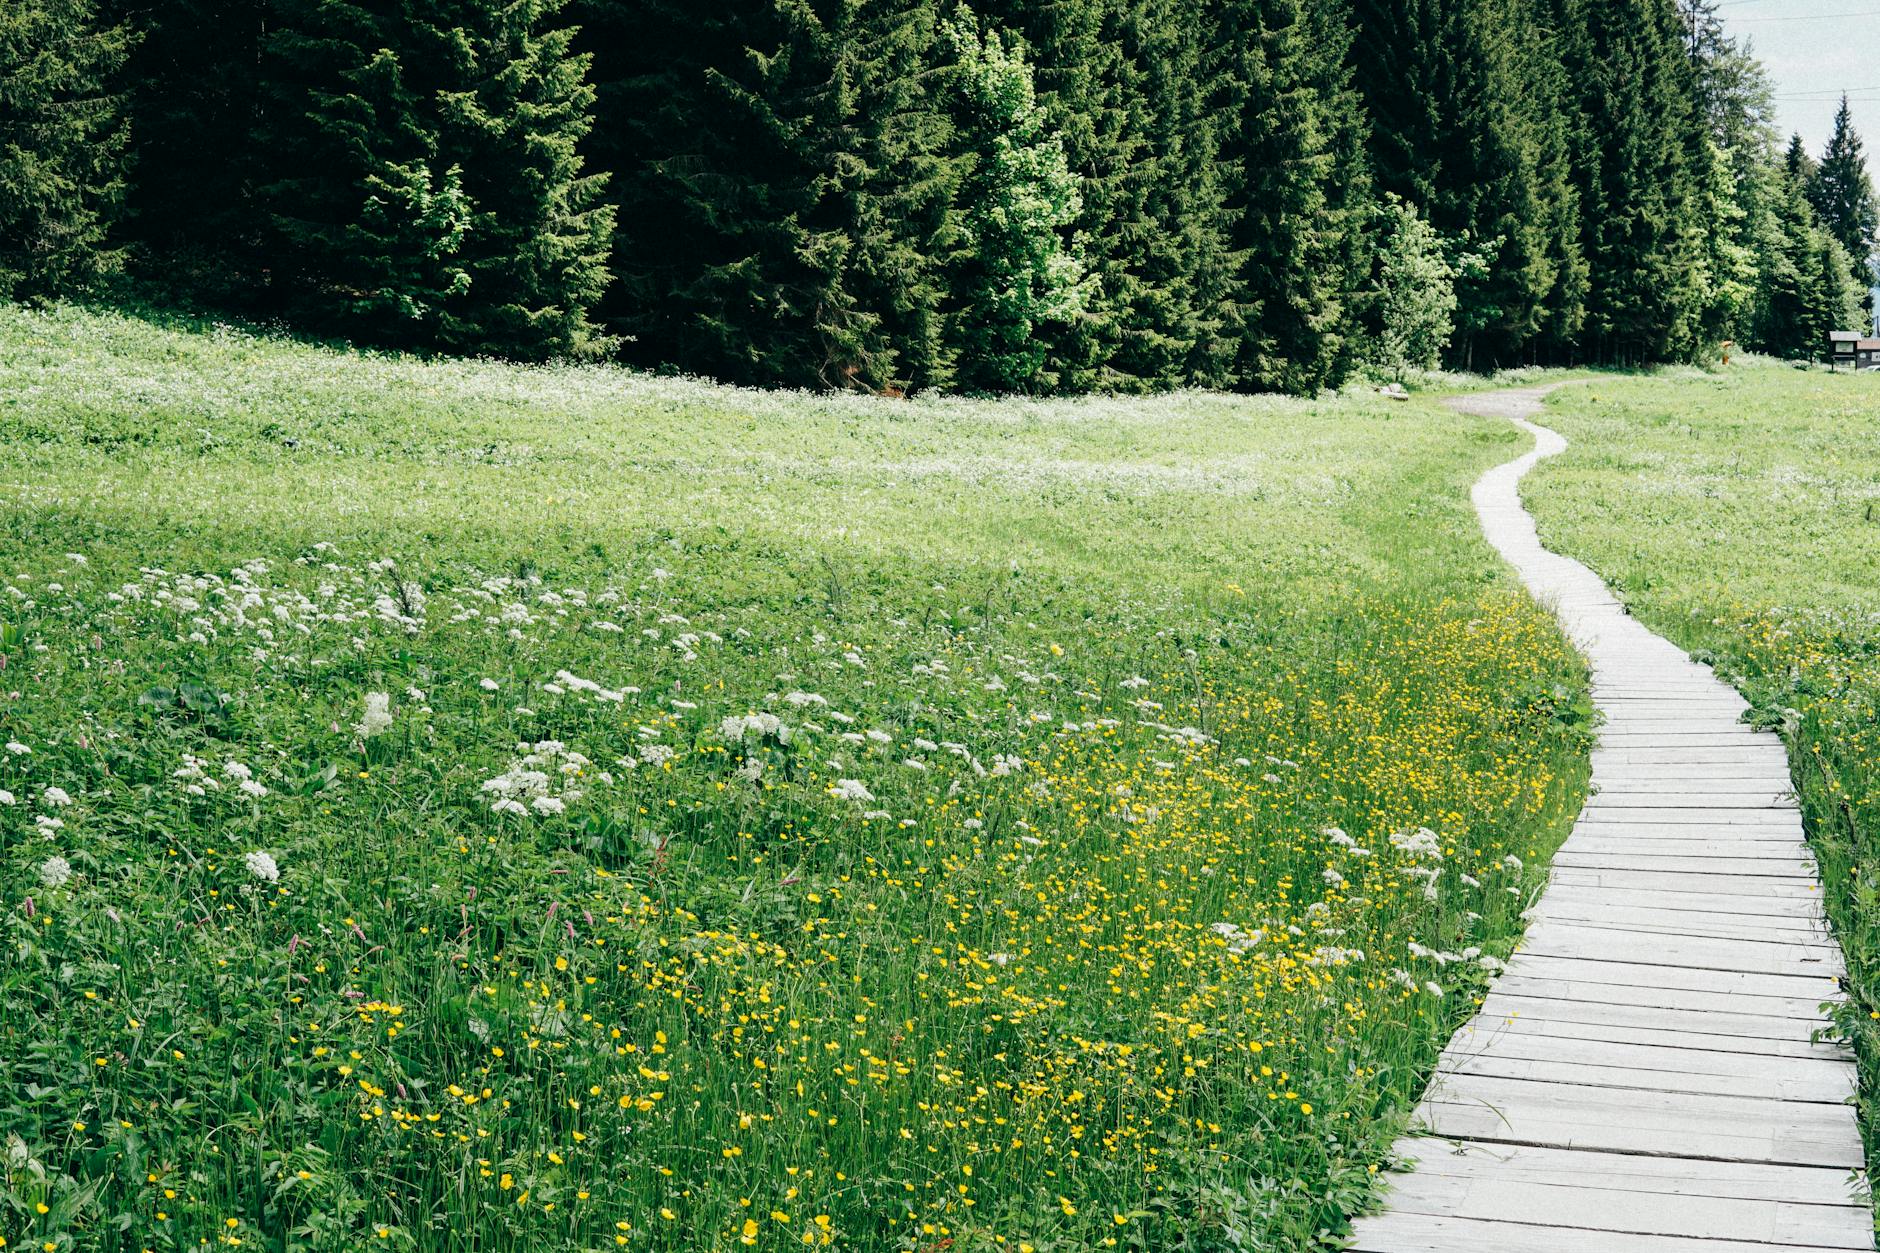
(459, 806)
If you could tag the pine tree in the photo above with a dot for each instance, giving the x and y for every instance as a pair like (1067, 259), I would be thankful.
(1799, 300)
(1414, 302)
(1842, 195)
(1735, 103)
(1465, 107)
(361, 221)
(1169, 322)
(62, 146)
(1020, 269)
(785, 200)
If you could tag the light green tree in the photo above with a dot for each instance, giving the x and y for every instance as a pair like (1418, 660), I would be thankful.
(1020, 265)
(1415, 308)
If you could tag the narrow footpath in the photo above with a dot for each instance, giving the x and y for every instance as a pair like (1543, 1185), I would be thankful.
(1642, 1079)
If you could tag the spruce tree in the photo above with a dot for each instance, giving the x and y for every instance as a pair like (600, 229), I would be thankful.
(1170, 320)
(362, 222)
(1295, 194)
(1842, 195)
(513, 104)
(785, 198)
(1464, 126)
(421, 185)
(1634, 166)
(62, 144)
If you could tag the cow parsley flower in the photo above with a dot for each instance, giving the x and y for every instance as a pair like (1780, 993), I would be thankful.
(850, 790)
(263, 866)
(54, 871)
(56, 796)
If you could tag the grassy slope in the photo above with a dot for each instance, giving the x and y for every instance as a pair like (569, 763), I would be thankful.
(1740, 514)
(1086, 973)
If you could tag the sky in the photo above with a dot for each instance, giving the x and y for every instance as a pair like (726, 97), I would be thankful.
(1815, 50)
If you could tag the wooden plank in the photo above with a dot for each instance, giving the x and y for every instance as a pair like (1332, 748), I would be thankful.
(1713, 816)
(1817, 987)
(1670, 1029)
(1625, 1172)
(1663, 1009)
(1760, 1219)
(1686, 1124)
(1424, 1233)
(1555, 938)
(1827, 1083)
(1643, 1057)
(1790, 911)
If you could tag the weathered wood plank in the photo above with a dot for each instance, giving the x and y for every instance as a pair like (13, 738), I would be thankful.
(1425, 1233)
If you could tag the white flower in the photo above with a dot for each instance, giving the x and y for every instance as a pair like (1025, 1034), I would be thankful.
(235, 770)
(850, 790)
(548, 805)
(254, 788)
(488, 685)
(6, 797)
(737, 728)
(54, 871)
(55, 796)
(17, 749)
(262, 866)
(1422, 842)
(377, 717)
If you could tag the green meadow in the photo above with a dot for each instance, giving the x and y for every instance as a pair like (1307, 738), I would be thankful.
(461, 806)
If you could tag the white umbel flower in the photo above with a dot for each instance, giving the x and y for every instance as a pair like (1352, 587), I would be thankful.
(262, 866)
(850, 790)
(54, 871)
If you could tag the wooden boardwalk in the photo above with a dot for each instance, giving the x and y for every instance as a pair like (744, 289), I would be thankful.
(1641, 1079)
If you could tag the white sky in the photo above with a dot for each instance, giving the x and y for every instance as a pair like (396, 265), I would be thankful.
(1815, 50)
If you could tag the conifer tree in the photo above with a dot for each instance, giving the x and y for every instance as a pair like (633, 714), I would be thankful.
(1842, 195)
(513, 104)
(421, 182)
(1461, 127)
(1414, 302)
(1632, 83)
(361, 222)
(1019, 273)
(62, 145)
(785, 197)
(1295, 191)
(1170, 320)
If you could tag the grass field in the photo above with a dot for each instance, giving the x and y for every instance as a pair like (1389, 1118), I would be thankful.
(1739, 513)
(463, 807)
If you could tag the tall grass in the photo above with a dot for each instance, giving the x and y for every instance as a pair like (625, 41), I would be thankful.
(521, 809)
